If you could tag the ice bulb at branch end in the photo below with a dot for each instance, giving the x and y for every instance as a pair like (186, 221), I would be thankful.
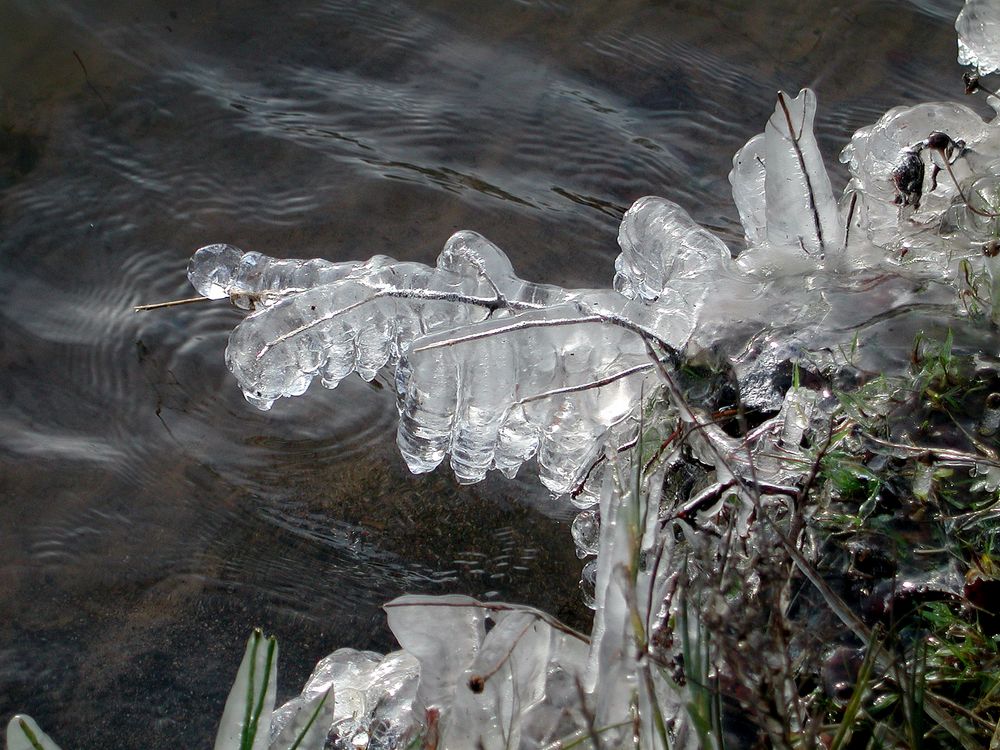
(211, 270)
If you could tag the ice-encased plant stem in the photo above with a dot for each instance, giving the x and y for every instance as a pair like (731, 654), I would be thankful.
(23, 734)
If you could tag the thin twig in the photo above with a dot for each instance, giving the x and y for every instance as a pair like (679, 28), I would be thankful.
(492, 607)
(478, 681)
(585, 386)
(940, 454)
(490, 304)
(517, 325)
(850, 218)
(171, 303)
(86, 77)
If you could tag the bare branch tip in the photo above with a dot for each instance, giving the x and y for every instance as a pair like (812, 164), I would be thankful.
(171, 303)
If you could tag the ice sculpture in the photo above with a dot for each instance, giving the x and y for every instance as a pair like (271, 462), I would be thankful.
(536, 375)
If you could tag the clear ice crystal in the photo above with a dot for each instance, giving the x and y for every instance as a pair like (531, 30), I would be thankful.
(978, 27)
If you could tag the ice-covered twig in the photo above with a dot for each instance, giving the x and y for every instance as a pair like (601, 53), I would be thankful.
(795, 139)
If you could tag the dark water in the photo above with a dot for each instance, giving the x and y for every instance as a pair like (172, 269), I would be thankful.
(148, 516)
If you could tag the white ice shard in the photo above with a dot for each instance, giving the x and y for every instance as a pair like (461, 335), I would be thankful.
(748, 180)
(978, 27)
(511, 685)
(783, 193)
(24, 734)
(246, 718)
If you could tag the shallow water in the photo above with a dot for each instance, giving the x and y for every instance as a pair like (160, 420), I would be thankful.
(148, 516)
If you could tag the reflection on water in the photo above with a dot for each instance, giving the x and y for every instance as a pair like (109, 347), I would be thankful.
(149, 517)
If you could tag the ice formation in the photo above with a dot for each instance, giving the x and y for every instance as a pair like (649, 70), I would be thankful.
(494, 371)
(978, 27)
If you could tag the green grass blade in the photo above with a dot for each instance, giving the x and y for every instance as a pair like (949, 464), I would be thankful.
(23, 734)
(246, 718)
(312, 720)
(853, 706)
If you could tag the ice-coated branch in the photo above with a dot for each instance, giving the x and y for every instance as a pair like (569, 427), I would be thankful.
(492, 371)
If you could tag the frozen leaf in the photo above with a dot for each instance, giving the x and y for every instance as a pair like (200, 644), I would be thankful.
(800, 210)
(444, 634)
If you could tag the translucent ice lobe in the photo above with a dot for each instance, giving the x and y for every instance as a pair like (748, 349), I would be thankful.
(978, 27)
(277, 351)
(469, 250)
(876, 150)
(427, 391)
(661, 244)
(487, 386)
(211, 269)
(444, 636)
(801, 210)
(220, 271)
(747, 179)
